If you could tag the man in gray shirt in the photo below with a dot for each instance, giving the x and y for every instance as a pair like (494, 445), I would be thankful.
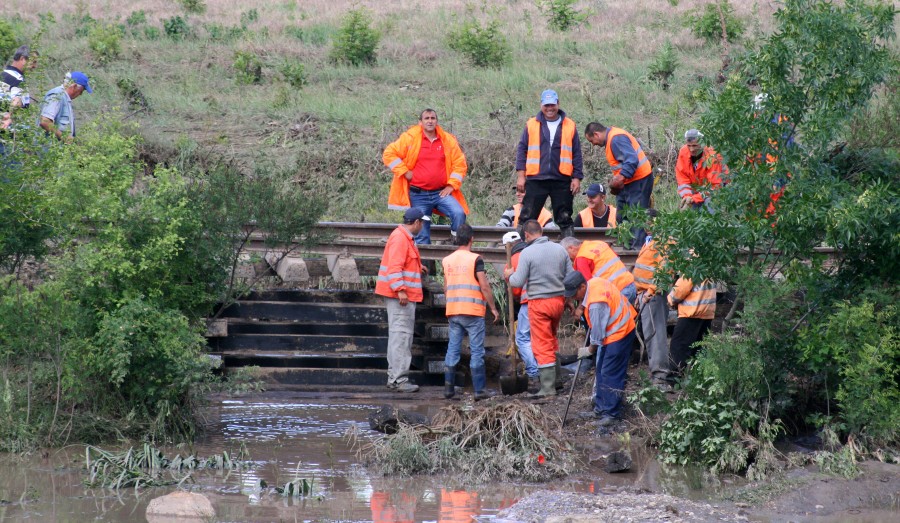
(543, 266)
(57, 116)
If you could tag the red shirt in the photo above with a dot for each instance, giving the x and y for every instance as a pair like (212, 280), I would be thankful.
(430, 172)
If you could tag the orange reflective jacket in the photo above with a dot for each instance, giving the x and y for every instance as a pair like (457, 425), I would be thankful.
(587, 217)
(694, 301)
(543, 219)
(706, 175)
(518, 292)
(533, 156)
(463, 290)
(621, 313)
(605, 262)
(401, 156)
(643, 169)
(401, 267)
(648, 261)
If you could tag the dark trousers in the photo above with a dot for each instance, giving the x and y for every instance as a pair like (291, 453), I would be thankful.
(611, 372)
(687, 332)
(635, 194)
(536, 193)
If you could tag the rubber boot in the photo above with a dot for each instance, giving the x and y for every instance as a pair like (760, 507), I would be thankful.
(478, 382)
(548, 378)
(566, 232)
(449, 381)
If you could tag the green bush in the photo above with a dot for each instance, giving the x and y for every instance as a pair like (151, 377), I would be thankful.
(317, 35)
(562, 14)
(708, 24)
(8, 40)
(248, 17)
(294, 73)
(663, 66)
(247, 67)
(196, 7)
(220, 32)
(356, 40)
(483, 44)
(136, 18)
(176, 28)
(152, 33)
(105, 42)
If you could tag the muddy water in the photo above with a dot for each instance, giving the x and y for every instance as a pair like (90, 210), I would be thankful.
(287, 438)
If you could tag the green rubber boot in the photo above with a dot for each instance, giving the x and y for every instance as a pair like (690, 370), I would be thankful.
(548, 380)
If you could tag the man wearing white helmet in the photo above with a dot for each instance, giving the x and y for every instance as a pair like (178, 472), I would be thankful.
(523, 326)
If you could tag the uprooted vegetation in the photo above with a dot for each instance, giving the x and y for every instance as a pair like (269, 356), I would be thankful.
(511, 441)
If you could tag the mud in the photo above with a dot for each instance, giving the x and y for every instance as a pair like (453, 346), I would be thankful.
(290, 435)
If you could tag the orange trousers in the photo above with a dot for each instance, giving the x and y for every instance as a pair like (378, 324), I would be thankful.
(544, 315)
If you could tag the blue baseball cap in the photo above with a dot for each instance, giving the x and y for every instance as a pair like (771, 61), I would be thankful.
(412, 214)
(594, 190)
(549, 97)
(81, 79)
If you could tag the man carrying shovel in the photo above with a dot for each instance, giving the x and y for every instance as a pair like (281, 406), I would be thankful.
(610, 321)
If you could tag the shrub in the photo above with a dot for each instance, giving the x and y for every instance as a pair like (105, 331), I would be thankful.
(708, 24)
(136, 18)
(482, 44)
(105, 41)
(222, 32)
(151, 33)
(294, 73)
(8, 40)
(196, 7)
(248, 17)
(132, 93)
(562, 14)
(663, 66)
(247, 67)
(356, 40)
(317, 35)
(176, 28)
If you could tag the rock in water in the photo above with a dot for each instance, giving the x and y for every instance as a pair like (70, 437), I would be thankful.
(618, 462)
(180, 506)
(387, 418)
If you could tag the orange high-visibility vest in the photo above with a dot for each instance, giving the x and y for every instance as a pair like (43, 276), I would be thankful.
(543, 219)
(607, 264)
(648, 261)
(401, 267)
(533, 155)
(643, 169)
(587, 217)
(463, 290)
(694, 301)
(518, 292)
(621, 313)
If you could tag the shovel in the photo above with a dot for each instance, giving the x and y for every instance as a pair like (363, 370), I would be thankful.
(514, 384)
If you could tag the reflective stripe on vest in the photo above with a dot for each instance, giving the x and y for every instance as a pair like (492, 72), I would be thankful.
(543, 219)
(621, 318)
(587, 217)
(700, 302)
(533, 154)
(463, 290)
(645, 267)
(607, 264)
(643, 169)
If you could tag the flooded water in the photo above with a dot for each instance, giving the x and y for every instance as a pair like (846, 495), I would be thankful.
(288, 438)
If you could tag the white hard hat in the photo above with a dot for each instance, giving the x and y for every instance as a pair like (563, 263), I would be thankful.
(511, 237)
(760, 100)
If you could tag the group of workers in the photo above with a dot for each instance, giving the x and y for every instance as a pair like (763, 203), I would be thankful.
(428, 169)
(57, 116)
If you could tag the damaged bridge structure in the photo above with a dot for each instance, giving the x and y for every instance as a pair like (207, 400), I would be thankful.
(319, 325)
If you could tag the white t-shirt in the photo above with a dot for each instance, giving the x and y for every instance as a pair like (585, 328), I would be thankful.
(552, 126)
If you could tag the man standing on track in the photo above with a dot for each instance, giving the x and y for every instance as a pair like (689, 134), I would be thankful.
(429, 168)
(542, 267)
(548, 163)
(400, 282)
(632, 180)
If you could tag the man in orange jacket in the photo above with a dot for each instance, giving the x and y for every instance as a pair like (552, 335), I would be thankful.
(400, 282)
(468, 295)
(597, 213)
(698, 170)
(429, 168)
(632, 180)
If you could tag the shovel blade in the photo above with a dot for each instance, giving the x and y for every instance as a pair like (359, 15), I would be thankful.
(511, 385)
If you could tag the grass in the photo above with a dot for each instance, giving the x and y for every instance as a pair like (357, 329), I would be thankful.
(600, 71)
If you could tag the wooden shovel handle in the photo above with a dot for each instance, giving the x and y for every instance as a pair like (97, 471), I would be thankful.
(509, 309)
